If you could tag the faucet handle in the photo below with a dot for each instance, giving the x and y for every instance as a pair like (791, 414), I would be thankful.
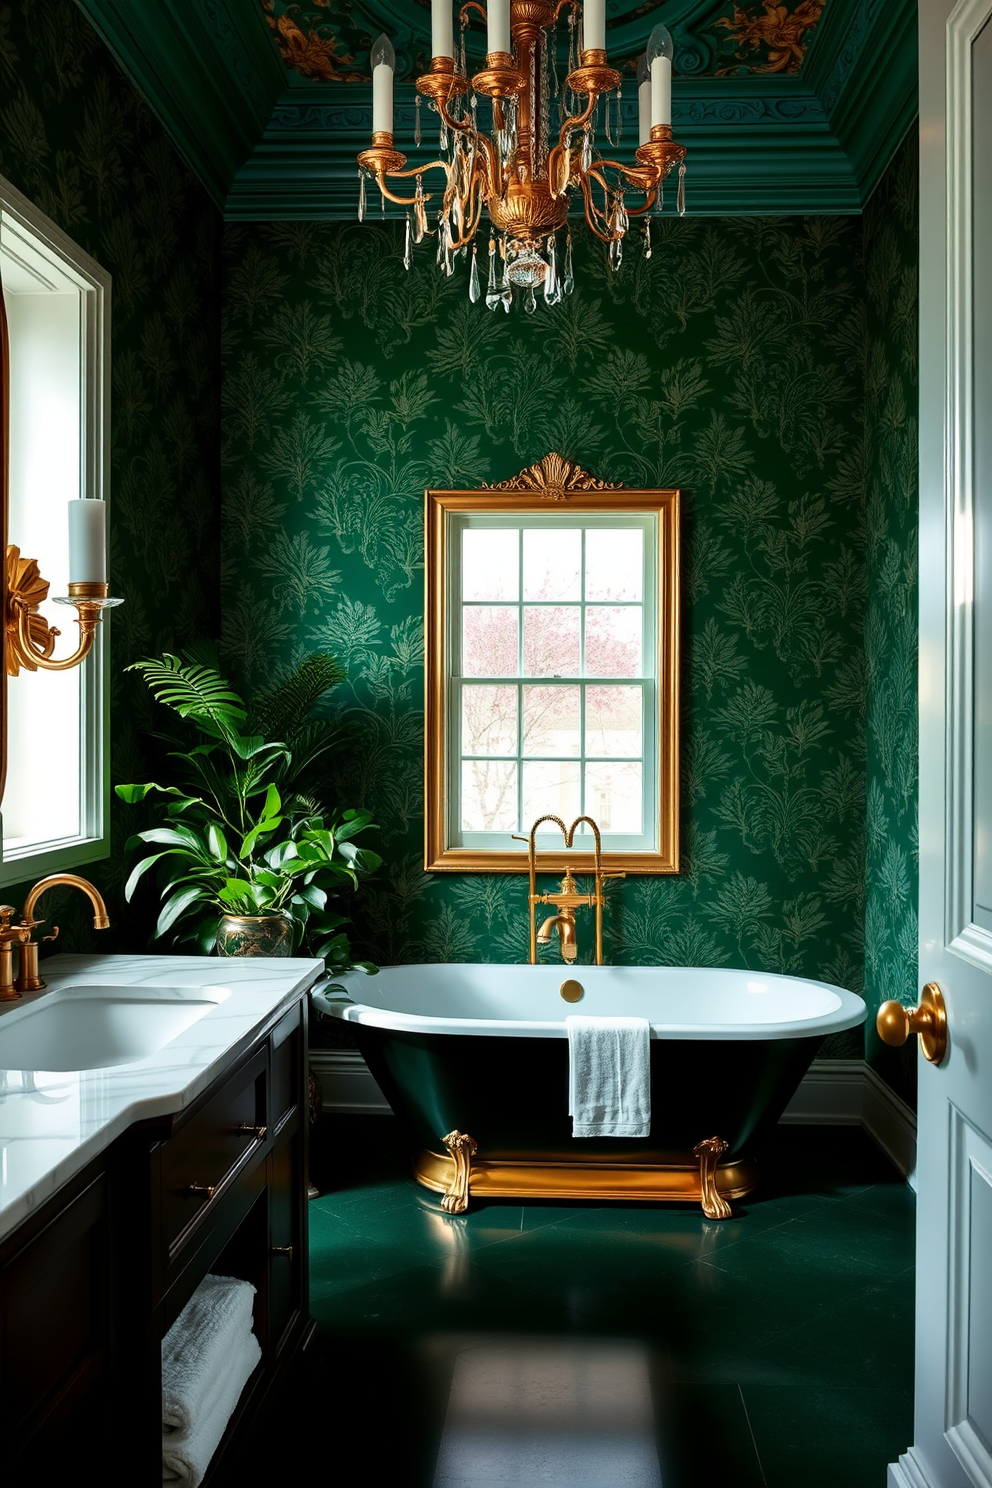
(605, 876)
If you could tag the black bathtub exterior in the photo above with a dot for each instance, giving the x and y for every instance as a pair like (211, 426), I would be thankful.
(512, 1093)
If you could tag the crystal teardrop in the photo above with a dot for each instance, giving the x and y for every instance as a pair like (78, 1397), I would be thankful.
(474, 288)
(619, 116)
(492, 288)
(586, 148)
(530, 303)
(406, 243)
(361, 196)
(569, 282)
(681, 195)
(416, 121)
(647, 237)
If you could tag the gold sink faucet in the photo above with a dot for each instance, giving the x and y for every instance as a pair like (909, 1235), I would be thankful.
(567, 898)
(29, 978)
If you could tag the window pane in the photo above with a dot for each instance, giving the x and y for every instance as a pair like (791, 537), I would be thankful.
(551, 720)
(614, 563)
(551, 641)
(613, 797)
(489, 641)
(613, 720)
(613, 641)
(489, 720)
(489, 796)
(550, 785)
(553, 563)
(490, 563)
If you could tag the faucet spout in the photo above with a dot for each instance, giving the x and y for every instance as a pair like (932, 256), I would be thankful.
(29, 978)
(565, 925)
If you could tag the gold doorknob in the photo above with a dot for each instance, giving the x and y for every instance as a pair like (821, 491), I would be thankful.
(895, 1023)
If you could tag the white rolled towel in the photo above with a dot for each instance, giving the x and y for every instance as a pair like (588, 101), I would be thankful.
(197, 1348)
(186, 1455)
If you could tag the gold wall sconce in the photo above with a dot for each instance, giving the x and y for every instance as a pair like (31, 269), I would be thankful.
(30, 640)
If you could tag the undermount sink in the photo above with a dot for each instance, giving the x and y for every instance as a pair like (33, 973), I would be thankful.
(96, 1027)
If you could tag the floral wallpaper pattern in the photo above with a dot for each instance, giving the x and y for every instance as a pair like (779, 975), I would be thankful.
(76, 138)
(891, 401)
(729, 364)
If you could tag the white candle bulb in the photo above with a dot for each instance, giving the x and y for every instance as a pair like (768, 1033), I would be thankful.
(442, 29)
(643, 101)
(87, 542)
(383, 63)
(498, 26)
(594, 26)
(659, 54)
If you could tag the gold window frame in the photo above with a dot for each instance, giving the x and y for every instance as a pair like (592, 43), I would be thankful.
(558, 481)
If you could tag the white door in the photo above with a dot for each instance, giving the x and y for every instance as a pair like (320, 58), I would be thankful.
(953, 1426)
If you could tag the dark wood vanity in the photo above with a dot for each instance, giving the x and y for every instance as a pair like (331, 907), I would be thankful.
(92, 1281)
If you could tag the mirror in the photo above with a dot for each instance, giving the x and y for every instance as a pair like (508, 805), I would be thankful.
(552, 646)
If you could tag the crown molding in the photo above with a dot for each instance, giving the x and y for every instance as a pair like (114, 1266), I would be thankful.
(267, 147)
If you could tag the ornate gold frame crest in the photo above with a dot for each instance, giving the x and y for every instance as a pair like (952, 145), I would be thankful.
(559, 485)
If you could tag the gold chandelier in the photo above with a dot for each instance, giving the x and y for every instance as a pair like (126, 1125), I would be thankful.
(512, 168)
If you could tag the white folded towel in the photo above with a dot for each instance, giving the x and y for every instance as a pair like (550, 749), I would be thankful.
(196, 1349)
(609, 1076)
(186, 1455)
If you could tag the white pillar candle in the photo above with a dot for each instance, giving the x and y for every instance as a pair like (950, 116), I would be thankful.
(442, 29)
(644, 111)
(87, 542)
(383, 62)
(594, 26)
(498, 25)
(661, 90)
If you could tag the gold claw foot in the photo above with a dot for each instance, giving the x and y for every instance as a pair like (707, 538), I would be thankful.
(462, 1149)
(709, 1153)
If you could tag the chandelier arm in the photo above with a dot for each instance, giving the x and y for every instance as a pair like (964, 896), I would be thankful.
(461, 127)
(652, 197)
(560, 7)
(640, 177)
(575, 121)
(470, 222)
(407, 201)
(474, 5)
(30, 656)
(592, 212)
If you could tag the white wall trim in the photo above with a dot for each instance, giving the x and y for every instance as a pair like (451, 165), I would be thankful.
(909, 1472)
(835, 1092)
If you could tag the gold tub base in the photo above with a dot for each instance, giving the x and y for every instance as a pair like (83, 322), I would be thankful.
(489, 1178)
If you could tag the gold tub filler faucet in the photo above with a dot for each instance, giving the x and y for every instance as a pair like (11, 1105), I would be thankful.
(566, 898)
(29, 978)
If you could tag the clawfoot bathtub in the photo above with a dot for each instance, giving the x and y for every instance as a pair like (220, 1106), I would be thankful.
(474, 1059)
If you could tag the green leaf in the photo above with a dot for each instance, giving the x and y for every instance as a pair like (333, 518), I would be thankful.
(273, 803)
(175, 906)
(175, 837)
(217, 843)
(139, 870)
(193, 691)
(132, 794)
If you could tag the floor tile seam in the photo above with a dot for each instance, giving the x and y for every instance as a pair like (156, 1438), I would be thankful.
(754, 1440)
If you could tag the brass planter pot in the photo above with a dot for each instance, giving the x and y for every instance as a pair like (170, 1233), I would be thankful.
(255, 935)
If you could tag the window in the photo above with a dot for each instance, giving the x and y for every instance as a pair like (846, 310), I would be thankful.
(55, 801)
(552, 675)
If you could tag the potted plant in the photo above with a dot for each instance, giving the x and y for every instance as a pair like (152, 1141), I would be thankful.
(250, 861)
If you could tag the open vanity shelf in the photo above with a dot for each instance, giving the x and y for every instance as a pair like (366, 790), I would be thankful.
(91, 1282)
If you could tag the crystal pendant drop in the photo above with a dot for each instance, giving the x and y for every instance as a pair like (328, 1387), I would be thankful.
(462, 58)
(407, 251)
(361, 196)
(443, 136)
(506, 291)
(647, 237)
(419, 213)
(492, 288)
(416, 121)
(586, 148)
(530, 303)
(552, 288)
(681, 195)
(569, 280)
(474, 288)
(619, 116)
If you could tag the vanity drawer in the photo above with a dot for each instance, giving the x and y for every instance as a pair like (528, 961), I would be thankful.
(200, 1164)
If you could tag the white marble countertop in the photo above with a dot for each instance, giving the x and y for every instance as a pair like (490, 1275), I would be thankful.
(53, 1123)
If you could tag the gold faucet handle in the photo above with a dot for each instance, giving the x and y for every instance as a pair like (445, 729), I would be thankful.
(605, 876)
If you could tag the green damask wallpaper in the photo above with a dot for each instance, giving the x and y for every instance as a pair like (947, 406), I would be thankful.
(730, 364)
(891, 402)
(76, 138)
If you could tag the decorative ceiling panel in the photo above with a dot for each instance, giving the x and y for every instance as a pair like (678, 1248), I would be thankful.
(785, 108)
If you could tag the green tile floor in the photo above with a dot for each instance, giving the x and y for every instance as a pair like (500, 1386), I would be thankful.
(602, 1345)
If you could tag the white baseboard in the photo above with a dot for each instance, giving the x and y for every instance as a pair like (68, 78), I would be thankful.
(834, 1092)
(909, 1472)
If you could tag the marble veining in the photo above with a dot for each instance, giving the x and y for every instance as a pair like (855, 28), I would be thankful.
(52, 1123)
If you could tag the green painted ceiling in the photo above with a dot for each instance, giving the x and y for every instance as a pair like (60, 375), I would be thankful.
(785, 108)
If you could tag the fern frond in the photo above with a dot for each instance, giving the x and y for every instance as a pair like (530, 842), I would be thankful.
(194, 691)
(280, 713)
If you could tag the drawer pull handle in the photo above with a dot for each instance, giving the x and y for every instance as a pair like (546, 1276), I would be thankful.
(282, 1250)
(202, 1190)
(258, 1132)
